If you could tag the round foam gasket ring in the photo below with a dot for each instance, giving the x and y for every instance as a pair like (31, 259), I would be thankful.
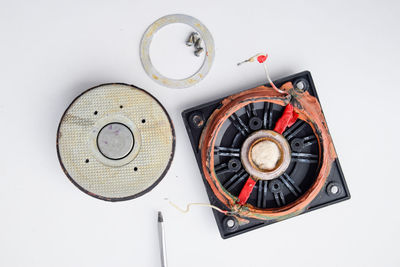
(309, 111)
(145, 51)
(132, 175)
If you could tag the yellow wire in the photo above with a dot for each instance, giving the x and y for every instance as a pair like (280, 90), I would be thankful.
(196, 204)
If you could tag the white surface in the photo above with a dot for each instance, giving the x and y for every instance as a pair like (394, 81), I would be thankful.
(52, 51)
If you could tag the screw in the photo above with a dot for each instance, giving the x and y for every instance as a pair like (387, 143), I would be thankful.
(189, 41)
(195, 40)
(197, 43)
(192, 39)
(198, 51)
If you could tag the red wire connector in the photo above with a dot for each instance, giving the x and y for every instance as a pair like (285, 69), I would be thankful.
(246, 191)
(287, 119)
(262, 58)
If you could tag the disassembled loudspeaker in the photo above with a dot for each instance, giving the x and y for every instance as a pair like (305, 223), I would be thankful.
(265, 155)
(115, 142)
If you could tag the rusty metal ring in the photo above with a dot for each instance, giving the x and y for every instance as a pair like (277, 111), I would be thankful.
(309, 111)
(145, 51)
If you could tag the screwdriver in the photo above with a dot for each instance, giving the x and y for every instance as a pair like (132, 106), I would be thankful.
(161, 233)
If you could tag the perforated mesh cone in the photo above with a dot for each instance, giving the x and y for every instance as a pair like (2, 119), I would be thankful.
(135, 172)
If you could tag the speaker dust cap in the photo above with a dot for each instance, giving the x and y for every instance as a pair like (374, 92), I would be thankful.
(115, 142)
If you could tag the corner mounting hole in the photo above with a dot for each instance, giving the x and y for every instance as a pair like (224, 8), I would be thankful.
(87, 161)
(334, 189)
(234, 165)
(135, 169)
(95, 113)
(276, 186)
(300, 85)
(143, 121)
(230, 223)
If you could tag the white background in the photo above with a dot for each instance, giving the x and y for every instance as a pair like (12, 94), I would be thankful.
(51, 51)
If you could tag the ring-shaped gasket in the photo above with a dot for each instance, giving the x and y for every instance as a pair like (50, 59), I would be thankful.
(145, 51)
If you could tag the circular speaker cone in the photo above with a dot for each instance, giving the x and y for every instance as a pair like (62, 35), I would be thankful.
(115, 142)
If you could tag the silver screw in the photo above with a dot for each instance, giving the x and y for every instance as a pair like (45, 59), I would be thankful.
(192, 38)
(197, 43)
(198, 51)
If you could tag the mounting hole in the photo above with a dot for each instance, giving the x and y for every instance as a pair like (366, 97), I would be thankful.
(297, 145)
(143, 121)
(135, 169)
(333, 189)
(234, 165)
(87, 161)
(230, 223)
(301, 85)
(255, 123)
(95, 113)
(121, 106)
(196, 119)
(275, 186)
